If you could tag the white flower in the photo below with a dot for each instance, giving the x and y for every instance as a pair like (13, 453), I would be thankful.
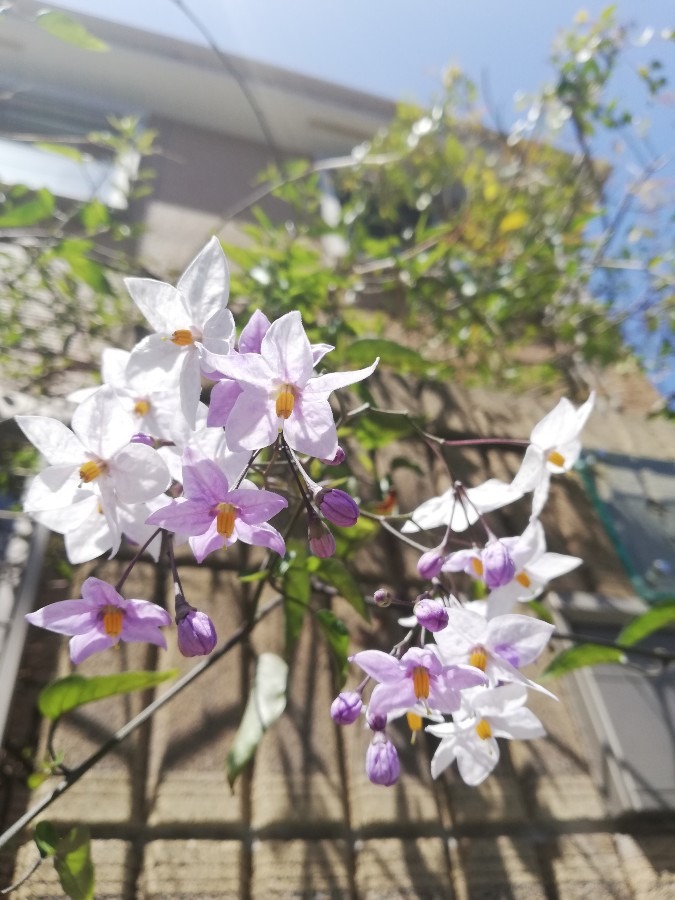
(488, 713)
(191, 322)
(554, 447)
(458, 513)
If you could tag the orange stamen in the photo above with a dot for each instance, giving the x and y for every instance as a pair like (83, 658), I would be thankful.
(556, 458)
(524, 579)
(182, 337)
(414, 721)
(285, 401)
(421, 682)
(225, 519)
(477, 566)
(112, 621)
(141, 408)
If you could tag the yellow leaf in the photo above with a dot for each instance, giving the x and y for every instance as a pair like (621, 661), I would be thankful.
(513, 221)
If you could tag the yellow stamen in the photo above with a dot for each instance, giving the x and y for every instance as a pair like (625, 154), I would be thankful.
(285, 401)
(414, 721)
(556, 458)
(477, 566)
(524, 579)
(182, 337)
(483, 730)
(421, 682)
(112, 620)
(91, 470)
(478, 658)
(141, 408)
(225, 519)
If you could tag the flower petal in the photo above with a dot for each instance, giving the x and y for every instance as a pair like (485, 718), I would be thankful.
(287, 351)
(311, 428)
(162, 304)
(65, 617)
(205, 284)
(56, 442)
(323, 385)
(82, 646)
(263, 535)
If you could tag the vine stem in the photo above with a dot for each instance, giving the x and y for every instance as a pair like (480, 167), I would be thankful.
(75, 774)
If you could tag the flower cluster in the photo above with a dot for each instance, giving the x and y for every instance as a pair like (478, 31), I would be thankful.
(145, 455)
(467, 683)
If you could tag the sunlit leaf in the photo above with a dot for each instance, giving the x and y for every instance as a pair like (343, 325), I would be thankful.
(70, 30)
(374, 430)
(73, 864)
(580, 656)
(337, 635)
(265, 705)
(29, 213)
(297, 590)
(513, 221)
(641, 627)
(540, 611)
(68, 693)
(61, 150)
(361, 353)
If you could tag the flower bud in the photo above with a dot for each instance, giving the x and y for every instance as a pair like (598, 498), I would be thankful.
(337, 460)
(376, 721)
(196, 633)
(382, 765)
(320, 538)
(431, 614)
(346, 708)
(498, 567)
(382, 598)
(338, 507)
(141, 438)
(430, 564)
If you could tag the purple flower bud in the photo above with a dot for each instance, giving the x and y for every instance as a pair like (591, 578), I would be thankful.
(337, 460)
(141, 438)
(346, 708)
(376, 721)
(196, 633)
(320, 538)
(498, 567)
(382, 597)
(430, 564)
(337, 506)
(431, 614)
(382, 765)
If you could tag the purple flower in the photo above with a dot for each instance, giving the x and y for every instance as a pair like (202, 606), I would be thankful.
(214, 516)
(346, 708)
(321, 541)
(382, 765)
(338, 507)
(430, 564)
(418, 676)
(101, 619)
(498, 567)
(196, 632)
(431, 614)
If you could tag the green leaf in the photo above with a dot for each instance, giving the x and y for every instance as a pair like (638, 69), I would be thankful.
(297, 590)
(265, 705)
(540, 611)
(60, 150)
(46, 837)
(513, 221)
(348, 540)
(250, 577)
(582, 655)
(337, 635)
(68, 693)
(334, 572)
(66, 28)
(361, 353)
(73, 864)
(374, 430)
(40, 207)
(641, 627)
(94, 216)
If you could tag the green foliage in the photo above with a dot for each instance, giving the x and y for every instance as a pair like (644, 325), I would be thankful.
(334, 572)
(580, 656)
(64, 27)
(297, 590)
(659, 616)
(72, 858)
(265, 705)
(68, 693)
